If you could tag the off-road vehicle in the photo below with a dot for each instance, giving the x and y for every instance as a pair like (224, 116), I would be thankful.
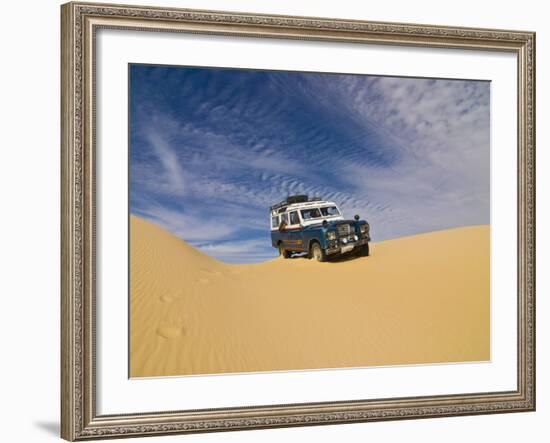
(317, 227)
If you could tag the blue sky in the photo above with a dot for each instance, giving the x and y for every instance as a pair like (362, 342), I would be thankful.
(211, 149)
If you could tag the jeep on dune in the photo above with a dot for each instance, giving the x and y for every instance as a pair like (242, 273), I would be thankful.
(300, 224)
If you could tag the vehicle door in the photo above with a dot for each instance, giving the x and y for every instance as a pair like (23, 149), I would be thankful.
(275, 233)
(295, 232)
(283, 232)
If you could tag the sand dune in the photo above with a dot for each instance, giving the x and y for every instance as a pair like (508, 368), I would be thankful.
(420, 299)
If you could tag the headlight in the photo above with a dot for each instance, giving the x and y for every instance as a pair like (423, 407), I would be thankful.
(331, 235)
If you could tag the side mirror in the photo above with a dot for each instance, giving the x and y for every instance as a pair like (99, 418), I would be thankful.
(325, 223)
(356, 217)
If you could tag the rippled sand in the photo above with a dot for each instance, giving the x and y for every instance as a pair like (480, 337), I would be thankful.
(419, 299)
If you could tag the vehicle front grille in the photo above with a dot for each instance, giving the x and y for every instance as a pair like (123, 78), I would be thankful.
(344, 230)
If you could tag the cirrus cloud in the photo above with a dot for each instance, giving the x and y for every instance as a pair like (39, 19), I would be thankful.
(211, 149)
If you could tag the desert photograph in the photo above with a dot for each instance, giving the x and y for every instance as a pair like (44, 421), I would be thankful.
(284, 221)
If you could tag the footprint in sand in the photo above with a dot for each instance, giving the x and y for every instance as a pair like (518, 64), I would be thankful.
(166, 298)
(206, 270)
(210, 272)
(170, 331)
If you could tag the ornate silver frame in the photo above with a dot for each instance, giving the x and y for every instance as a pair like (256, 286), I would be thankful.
(80, 21)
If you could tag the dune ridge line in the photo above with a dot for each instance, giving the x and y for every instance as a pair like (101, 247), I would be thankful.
(415, 300)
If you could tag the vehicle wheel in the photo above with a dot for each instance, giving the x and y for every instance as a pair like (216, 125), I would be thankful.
(317, 253)
(283, 252)
(364, 251)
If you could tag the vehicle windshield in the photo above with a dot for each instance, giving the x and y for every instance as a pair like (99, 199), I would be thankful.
(308, 214)
(330, 211)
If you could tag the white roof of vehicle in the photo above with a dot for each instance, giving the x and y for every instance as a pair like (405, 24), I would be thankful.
(305, 205)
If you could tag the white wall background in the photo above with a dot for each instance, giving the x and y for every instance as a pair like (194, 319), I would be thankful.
(29, 221)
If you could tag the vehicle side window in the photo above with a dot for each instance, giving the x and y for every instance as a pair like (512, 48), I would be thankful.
(294, 219)
(284, 218)
(275, 221)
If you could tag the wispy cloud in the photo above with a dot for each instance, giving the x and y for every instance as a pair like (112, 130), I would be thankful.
(192, 228)
(240, 251)
(170, 177)
(211, 149)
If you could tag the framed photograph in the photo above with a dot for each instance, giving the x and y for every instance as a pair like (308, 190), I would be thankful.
(277, 221)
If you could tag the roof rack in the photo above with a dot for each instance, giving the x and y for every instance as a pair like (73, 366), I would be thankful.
(292, 199)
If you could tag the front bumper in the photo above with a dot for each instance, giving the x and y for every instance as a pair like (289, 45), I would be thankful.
(335, 247)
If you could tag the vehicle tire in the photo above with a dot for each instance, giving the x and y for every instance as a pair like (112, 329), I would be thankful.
(364, 251)
(316, 252)
(283, 252)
